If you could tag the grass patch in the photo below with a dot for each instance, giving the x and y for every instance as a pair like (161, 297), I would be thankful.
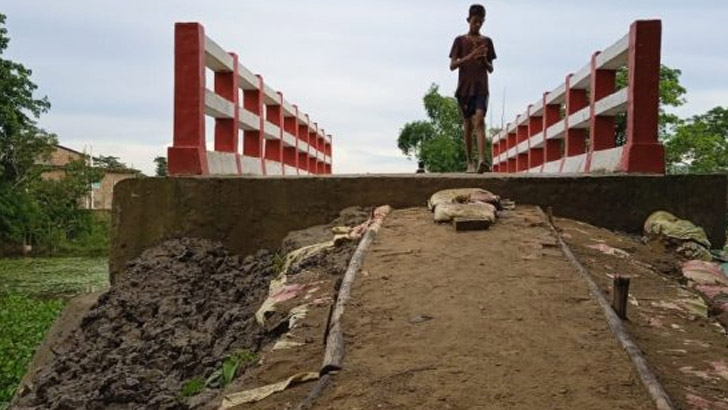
(192, 387)
(239, 359)
(24, 322)
(53, 276)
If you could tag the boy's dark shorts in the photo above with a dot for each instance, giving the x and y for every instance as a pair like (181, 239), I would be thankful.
(469, 105)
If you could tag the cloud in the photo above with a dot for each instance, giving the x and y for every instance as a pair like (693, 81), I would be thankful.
(359, 69)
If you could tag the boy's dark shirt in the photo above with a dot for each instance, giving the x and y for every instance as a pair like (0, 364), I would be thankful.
(473, 74)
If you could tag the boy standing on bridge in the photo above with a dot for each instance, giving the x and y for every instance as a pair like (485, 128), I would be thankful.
(472, 55)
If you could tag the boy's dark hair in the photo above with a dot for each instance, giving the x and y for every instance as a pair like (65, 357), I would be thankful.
(476, 10)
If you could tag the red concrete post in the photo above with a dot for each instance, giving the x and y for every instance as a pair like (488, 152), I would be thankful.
(188, 154)
(312, 148)
(320, 142)
(253, 139)
(289, 153)
(602, 132)
(494, 153)
(274, 115)
(522, 135)
(329, 152)
(227, 129)
(575, 139)
(303, 136)
(643, 152)
(552, 115)
(511, 165)
(535, 126)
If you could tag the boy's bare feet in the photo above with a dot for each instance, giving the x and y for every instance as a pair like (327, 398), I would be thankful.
(471, 168)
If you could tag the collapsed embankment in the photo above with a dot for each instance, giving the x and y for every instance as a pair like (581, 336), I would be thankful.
(181, 312)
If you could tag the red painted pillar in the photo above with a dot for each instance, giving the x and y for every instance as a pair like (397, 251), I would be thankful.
(602, 128)
(535, 126)
(312, 141)
(522, 135)
(643, 152)
(290, 157)
(575, 139)
(329, 158)
(227, 129)
(303, 136)
(188, 154)
(253, 139)
(511, 165)
(552, 115)
(274, 148)
(494, 152)
(320, 143)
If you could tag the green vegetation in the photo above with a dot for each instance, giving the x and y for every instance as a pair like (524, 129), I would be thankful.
(239, 359)
(53, 276)
(700, 144)
(32, 293)
(160, 164)
(695, 145)
(24, 321)
(40, 213)
(192, 387)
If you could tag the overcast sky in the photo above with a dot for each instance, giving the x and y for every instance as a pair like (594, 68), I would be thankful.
(359, 69)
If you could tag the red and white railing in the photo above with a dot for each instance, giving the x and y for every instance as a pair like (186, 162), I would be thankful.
(278, 138)
(573, 128)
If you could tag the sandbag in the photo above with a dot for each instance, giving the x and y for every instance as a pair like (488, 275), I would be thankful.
(681, 235)
(446, 212)
(462, 196)
(665, 224)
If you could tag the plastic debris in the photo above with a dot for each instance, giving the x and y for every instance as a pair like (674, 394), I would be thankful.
(236, 400)
(704, 273)
(296, 315)
(284, 344)
(281, 294)
(608, 250)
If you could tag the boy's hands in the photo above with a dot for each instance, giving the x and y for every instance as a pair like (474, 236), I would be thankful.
(478, 52)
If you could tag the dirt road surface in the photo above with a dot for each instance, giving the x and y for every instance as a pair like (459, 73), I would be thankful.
(493, 319)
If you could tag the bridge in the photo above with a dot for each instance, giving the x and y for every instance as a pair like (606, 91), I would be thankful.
(587, 149)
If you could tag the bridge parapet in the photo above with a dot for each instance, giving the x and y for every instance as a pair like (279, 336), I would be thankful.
(278, 138)
(573, 128)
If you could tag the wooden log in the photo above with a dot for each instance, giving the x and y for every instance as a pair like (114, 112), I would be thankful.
(335, 341)
(653, 386)
(620, 295)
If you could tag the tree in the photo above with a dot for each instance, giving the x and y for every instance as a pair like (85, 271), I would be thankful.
(32, 209)
(21, 141)
(62, 216)
(161, 166)
(109, 163)
(437, 141)
(700, 144)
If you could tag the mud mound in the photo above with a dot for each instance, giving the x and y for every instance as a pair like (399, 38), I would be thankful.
(173, 315)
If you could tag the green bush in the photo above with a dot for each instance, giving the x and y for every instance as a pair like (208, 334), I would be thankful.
(24, 322)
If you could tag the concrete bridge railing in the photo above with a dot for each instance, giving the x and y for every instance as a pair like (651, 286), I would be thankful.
(573, 128)
(278, 138)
